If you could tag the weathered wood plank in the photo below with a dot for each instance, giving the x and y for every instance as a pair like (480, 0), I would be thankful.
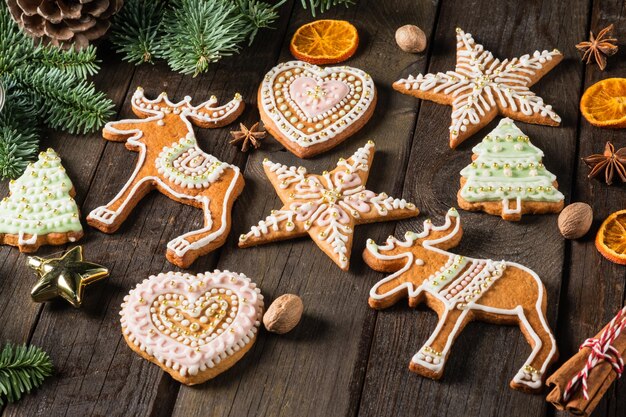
(317, 370)
(595, 288)
(485, 358)
(97, 374)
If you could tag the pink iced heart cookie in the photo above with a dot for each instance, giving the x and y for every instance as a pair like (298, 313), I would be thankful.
(193, 326)
(311, 109)
(315, 98)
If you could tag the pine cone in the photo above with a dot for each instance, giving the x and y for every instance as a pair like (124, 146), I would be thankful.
(64, 22)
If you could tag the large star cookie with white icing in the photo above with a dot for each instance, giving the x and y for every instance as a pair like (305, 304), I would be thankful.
(481, 87)
(40, 209)
(311, 109)
(327, 207)
(193, 326)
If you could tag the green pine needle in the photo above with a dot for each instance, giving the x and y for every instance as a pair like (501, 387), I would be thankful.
(22, 368)
(324, 5)
(136, 29)
(71, 104)
(81, 63)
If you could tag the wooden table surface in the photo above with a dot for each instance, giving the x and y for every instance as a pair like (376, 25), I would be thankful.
(344, 359)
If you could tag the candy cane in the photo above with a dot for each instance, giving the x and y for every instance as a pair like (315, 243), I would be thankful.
(601, 350)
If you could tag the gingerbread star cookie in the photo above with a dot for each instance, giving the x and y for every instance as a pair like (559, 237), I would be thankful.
(40, 209)
(481, 87)
(311, 109)
(193, 326)
(327, 206)
(171, 161)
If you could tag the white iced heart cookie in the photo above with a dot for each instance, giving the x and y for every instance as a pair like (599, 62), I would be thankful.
(193, 326)
(311, 109)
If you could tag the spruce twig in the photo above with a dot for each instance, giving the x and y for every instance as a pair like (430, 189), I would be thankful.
(136, 30)
(22, 368)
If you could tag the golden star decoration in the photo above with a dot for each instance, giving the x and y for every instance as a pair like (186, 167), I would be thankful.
(481, 87)
(64, 277)
(327, 206)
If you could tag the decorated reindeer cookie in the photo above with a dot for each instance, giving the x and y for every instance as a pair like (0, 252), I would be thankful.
(171, 162)
(460, 290)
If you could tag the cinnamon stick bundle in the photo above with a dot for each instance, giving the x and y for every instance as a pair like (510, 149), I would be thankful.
(600, 379)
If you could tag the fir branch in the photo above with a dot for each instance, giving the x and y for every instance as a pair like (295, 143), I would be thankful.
(324, 5)
(259, 14)
(69, 104)
(136, 30)
(79, 63)
(19, 137)
(22, 368)
(15, 48)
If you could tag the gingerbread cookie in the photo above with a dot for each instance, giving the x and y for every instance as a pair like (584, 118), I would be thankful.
(193, 326)
(507, 177)
(171, 162)
(327, 206)
(460, 290)
(311, 109)
(40, 209)
(481, 87)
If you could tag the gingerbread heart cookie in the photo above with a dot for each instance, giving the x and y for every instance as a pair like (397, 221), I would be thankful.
(193, 326)
(311, 109)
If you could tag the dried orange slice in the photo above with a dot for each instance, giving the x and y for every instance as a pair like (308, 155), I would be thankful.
(604, 103)
(324, 42)
(611, 238)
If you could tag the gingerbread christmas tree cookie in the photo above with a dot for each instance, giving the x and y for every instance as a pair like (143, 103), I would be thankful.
(40, 209)
(327, 207)
(507, 177)
(481, 87)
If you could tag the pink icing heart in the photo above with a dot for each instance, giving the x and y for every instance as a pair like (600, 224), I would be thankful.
(315, 98)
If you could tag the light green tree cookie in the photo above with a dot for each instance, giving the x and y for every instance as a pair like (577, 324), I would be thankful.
(40, 209)
(507, 177)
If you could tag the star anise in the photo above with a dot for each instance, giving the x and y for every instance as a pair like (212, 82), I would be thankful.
(247, 136)
(608, 162)
(599, 47)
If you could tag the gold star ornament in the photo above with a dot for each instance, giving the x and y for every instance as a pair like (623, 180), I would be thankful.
(327, 206)
(481, 87)
(64, 277)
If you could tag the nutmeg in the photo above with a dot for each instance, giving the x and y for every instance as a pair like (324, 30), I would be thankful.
(411, 38)
(283, 314)
(575, 220)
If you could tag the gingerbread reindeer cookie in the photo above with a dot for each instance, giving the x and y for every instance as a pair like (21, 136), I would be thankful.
(462, 289)
(171, 162)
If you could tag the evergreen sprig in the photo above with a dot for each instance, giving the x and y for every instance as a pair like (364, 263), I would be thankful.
(44, 85)
(22, 368)
(192, 34)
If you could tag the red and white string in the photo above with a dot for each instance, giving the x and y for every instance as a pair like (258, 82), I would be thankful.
(601, 350)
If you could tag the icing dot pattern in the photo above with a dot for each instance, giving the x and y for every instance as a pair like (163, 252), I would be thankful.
(192, 322)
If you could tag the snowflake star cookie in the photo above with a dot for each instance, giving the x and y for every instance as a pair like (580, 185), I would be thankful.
(193, 326)
(171, 161)
(482, 87)
(311, 109)
(40, 209)
(507, 177)
(327, 206)
(462, 289)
